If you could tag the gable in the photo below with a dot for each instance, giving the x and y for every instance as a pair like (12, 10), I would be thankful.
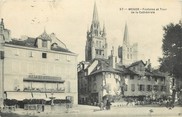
(92, 66)
(138, 67)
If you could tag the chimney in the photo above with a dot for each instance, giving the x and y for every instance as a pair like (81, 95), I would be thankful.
(149, 65)
(112, 58)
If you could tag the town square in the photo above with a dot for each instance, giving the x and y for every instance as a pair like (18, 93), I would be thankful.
(90, 58)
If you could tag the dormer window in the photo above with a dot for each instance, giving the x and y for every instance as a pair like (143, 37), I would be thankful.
(44, 44)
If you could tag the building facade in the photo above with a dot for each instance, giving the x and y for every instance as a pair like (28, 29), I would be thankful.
(37, 68)
(142, 82)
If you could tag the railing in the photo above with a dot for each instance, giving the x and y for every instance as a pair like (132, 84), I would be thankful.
(33, 106)
(9, 108)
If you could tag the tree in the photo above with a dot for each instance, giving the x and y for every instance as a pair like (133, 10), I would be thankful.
(171, 61)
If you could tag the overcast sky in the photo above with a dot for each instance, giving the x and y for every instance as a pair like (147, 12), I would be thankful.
(70, 19)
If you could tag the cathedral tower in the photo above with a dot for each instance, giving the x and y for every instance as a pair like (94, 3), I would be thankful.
(96, 44)
(127, 53)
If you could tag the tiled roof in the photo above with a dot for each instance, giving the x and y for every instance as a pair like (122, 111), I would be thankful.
(157, 74)
(61, 49)
(30, 42)
(103, 66)
(147, 73)
(136, 63)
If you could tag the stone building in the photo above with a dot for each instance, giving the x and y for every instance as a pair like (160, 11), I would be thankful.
(36, 68)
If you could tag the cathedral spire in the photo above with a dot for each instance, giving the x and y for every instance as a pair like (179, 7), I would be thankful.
(126, 38)
(95, 18)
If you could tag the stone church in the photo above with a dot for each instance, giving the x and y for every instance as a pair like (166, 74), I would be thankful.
(100, 75)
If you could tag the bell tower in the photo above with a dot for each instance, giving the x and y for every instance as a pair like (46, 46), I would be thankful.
(127, 53)
(96, 44)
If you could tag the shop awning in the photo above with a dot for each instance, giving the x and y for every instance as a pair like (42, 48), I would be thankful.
(59, 95)
(56, 95)
(18, 95)
(38, 95)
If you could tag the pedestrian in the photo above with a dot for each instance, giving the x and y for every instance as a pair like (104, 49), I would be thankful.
(108, 105)
(101, 105)
(42, 108)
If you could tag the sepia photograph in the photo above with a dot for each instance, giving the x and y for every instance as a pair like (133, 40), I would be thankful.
(91, 58)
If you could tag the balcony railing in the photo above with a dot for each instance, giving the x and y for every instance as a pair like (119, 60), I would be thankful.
(43, 90)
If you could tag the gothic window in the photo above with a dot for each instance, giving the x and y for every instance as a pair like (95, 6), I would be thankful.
(44, 43)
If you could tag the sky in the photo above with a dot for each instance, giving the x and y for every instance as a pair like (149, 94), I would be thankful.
(70, 20)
